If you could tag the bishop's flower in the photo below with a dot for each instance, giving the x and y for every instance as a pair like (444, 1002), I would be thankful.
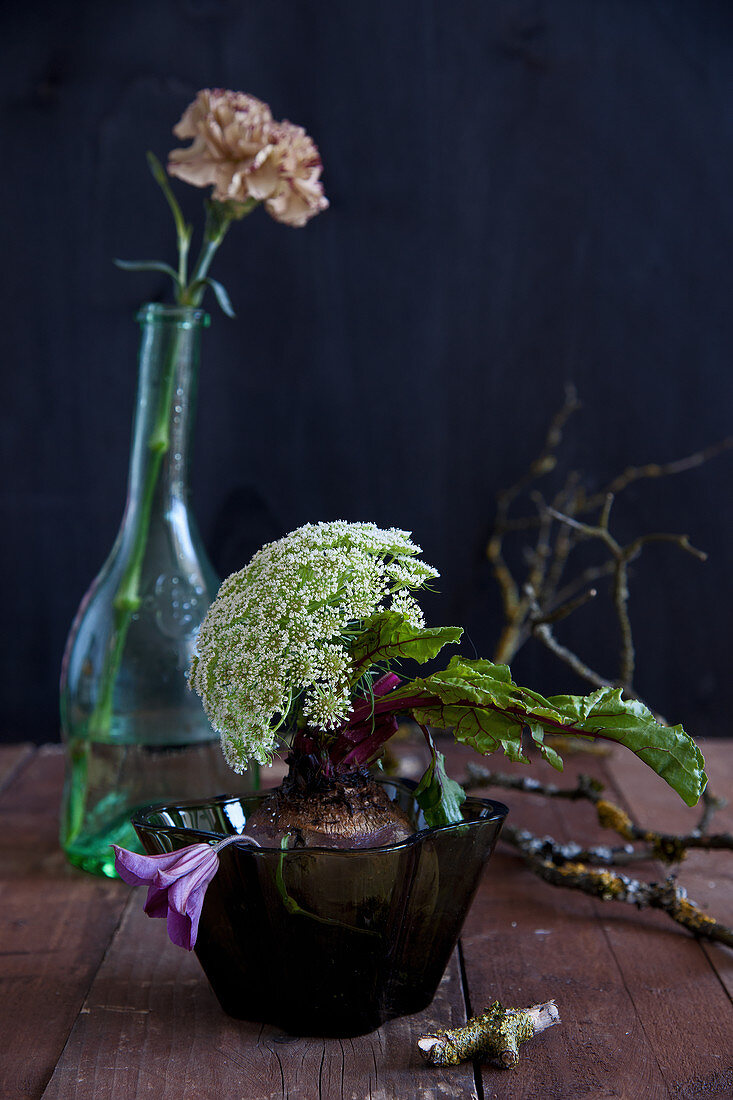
(274, 645)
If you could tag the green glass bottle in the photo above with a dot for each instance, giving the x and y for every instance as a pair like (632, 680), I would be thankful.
(134, 732)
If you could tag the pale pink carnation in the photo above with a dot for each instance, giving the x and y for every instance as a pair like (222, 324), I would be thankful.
(245, 154)
(228, 129)
(286, 175)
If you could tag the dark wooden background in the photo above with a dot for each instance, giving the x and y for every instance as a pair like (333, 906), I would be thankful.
(522, 193)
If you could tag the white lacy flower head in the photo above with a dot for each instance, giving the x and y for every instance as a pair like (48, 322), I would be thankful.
(239, 148)
(274, 642)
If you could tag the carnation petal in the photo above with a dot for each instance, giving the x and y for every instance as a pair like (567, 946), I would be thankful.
(199, 173)
(239, 149)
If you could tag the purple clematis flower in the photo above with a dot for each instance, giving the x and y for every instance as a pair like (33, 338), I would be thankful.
(176, 883)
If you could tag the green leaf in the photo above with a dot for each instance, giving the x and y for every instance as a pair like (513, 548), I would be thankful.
(147, 265)
(438, 796)
(388, 636)
(668, 750)
(538, 736)
(487, 710)
(183, 231)
(156, 169)
(221, 296)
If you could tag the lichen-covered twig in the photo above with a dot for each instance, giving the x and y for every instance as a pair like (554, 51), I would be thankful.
(495, 1035)
(613, 886)
(560, 853)
(479, 776)
(571, 865)
(667, 847)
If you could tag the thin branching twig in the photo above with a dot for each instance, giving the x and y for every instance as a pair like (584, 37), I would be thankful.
(545, 596)
(574, 866)
(533, 607)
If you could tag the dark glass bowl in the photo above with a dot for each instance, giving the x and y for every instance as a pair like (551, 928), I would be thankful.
(320, 941)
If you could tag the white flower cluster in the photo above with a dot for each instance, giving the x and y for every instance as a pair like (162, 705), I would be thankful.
(275, 640)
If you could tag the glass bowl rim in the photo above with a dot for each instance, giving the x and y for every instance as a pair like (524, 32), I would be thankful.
(497, 815)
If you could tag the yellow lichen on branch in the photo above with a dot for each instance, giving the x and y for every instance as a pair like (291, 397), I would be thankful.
(495, 1035)
(611, 816)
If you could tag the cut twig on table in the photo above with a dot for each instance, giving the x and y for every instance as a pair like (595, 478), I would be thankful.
(495, 1035)
(569, 864)
(614, 886)
(667, 847)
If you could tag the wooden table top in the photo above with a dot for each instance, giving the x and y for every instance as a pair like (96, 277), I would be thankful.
(97, 1003)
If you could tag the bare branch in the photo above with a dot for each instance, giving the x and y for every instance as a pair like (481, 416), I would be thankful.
(560, 525)
(590, 530)
(579, 667)
(634, 548)
(655, 469)
(588, 577)
(565, 609)
(612, 886)
(667, 847)
(710, 805)
(515, 608)
(621, 603)
(546, 460)
(541, 629)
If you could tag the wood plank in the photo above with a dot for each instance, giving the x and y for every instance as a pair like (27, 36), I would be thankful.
(716, 891)
(29, 811)
(707, 876)
(13, 757)
(151, 1026)
(643, 1011)
(526, 941)
(632, 987)
(55, 925)
(673, 992)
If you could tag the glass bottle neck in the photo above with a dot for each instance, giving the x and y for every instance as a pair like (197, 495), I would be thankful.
(168, 375)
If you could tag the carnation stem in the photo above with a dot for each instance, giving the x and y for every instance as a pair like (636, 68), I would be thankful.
(218, 220)
(127, 597)
(219, 217)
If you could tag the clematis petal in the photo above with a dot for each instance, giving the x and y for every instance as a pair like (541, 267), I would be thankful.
(180, 929)
(177, 883)
(139, 870)
(156, 903)
(183, 927)
(184, 889)
(191, 858)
